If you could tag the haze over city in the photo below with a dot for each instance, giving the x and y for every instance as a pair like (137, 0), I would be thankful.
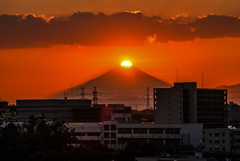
(49, 46)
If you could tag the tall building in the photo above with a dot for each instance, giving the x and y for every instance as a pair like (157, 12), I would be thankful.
(185, 103)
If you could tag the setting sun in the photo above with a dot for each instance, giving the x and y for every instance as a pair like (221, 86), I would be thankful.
(126, 63)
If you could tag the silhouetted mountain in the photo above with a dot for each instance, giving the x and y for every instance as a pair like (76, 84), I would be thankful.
(233, 92)
(120, 85)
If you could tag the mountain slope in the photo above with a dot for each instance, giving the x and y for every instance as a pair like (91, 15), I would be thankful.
(233, 92)
(120, 85)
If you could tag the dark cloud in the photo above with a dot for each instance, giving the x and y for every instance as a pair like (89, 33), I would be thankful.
(123, 28)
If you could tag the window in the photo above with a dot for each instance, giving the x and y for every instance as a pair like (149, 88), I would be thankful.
(140, 131)
(79, 133)
(172, 131)
(113, 135)
(156, 131)
(113, 142)
(106, 142)
(113, 127)
(210, 141)
(106, 127)
(106, 135)
(93, 134)
(210, 134)
(124, 130)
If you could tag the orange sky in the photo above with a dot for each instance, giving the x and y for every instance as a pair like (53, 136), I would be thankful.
(40, 56)
(37, 72)
(165, 8)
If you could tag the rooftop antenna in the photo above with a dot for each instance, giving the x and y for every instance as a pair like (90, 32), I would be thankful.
(202, 79)
(95, 98)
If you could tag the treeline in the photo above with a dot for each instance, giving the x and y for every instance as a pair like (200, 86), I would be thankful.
(38, 140)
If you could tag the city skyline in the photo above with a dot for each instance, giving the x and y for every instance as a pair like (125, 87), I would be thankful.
(47, 47)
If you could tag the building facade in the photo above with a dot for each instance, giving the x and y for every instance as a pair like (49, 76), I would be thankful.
(221, 140)
(185, 103)
(117, 135)
(58, 109)
(72, 110)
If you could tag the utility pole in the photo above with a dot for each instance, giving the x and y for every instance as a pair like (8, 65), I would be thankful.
(147, 97)
(71, 90)
(82, 93)
(95, 94)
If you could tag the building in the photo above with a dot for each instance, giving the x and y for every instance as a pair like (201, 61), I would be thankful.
(221, 140)
(3, 104)
(72, 110)
(117, 135)
(185, 103)
(102, 112)
(233, 113)
(58, 109)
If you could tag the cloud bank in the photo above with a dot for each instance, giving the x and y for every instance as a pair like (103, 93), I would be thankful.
(122, 28)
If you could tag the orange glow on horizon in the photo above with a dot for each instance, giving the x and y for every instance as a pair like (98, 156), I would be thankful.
(38, 72)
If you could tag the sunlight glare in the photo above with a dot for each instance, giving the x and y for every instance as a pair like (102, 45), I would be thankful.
(126, 63)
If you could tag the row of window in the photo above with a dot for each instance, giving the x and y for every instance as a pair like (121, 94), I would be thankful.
(87, 134)
(151, 131)
(107, 127)
(107, 135)
(216, 141)
(216, 134)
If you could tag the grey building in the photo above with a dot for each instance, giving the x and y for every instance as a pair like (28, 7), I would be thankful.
(185, 103)
(223, 140)
(59, 109)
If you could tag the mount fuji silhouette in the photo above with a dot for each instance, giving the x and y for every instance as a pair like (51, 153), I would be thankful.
(122, 85)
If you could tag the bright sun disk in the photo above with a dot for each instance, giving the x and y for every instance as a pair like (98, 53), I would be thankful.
(126, 63)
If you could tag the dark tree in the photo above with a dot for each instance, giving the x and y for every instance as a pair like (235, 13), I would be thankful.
(38, 140)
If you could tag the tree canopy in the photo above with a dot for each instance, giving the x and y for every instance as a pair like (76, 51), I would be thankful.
(39, 140)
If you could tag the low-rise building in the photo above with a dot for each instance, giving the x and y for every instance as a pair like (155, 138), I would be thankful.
(117, 135)
(223, 140)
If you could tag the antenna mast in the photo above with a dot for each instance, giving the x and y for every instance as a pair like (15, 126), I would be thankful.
(202, 79)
